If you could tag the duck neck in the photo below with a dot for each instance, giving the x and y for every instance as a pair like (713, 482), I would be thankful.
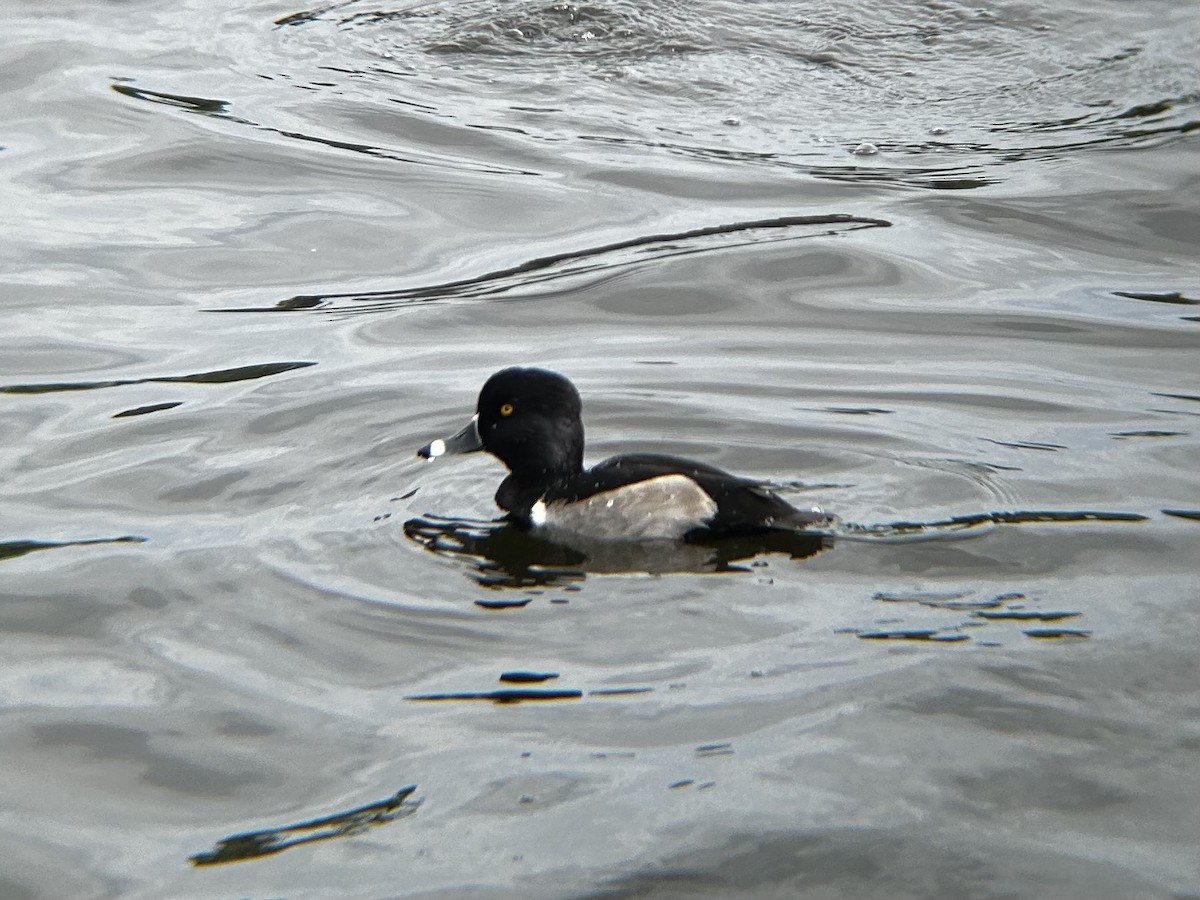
(517, 498)
(530, 476)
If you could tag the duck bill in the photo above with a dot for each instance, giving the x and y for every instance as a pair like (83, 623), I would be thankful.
(465, 441)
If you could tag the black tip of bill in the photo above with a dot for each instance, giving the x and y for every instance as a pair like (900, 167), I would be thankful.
(465, 441)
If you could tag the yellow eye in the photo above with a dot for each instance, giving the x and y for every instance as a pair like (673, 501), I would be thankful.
(506, 409)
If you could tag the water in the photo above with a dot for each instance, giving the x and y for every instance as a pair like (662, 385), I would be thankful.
(932, 266)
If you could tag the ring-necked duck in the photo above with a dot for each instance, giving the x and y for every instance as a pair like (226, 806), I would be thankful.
(530, 420)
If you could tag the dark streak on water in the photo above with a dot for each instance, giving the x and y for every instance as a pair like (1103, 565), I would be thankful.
(1007, 518)
(201, 105)
(508, 696)
(914, 635)
(1056, 633)
(145, 410)
(505, 696)
(269, 841)
(593, 260)
(1020, 615)
(13, 549)
(527, 677)
(220, 376)
(1174, 297)
(504, 604)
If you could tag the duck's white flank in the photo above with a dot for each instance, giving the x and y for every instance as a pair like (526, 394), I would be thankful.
(666, 507)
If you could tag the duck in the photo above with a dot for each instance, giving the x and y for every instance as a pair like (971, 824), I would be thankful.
(531, 420)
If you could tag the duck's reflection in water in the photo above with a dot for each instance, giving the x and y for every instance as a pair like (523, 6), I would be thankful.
(503, 555)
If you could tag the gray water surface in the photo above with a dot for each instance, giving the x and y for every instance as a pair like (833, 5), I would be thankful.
(933, 266)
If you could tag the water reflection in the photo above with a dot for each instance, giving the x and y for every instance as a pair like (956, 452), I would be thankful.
(261, 649)
(503, 555)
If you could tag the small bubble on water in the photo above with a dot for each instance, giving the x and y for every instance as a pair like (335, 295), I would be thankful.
(866, 148)
(938, 129)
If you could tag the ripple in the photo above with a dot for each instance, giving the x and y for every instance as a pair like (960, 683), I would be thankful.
(591, 261)
(754, 83)
(619, 30)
